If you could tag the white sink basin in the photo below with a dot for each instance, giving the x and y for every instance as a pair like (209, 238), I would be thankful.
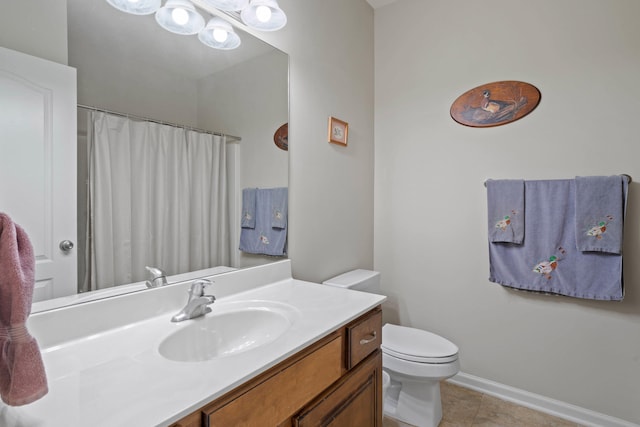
(230, 329)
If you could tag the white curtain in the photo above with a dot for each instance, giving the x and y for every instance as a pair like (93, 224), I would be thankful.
(158, 196)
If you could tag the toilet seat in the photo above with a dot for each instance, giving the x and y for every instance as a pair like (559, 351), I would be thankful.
(417, 345)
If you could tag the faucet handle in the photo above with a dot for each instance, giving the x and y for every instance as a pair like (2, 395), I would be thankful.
(197, 288)
(156, 274)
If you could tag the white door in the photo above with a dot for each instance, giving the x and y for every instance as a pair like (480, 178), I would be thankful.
(38, 163)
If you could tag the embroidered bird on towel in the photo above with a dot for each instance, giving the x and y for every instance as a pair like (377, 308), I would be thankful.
(547, 267)
(598, 230)
(506, 221)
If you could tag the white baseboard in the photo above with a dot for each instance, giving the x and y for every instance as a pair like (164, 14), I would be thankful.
(540, 403)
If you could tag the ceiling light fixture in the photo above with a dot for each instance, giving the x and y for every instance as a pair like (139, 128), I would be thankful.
(219, 34)
(136, 7)
(180, 17)
(264, 15)
(228, 5)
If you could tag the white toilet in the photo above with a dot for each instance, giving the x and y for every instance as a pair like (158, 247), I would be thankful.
(416, 361)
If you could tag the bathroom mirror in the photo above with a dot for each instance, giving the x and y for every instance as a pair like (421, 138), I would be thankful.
(128, 64)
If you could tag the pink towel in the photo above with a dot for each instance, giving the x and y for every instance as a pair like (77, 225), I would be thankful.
(22, 375)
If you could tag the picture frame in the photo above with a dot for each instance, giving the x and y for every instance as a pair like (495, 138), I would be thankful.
(338, 131)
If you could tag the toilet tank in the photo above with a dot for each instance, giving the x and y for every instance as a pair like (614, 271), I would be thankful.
(359, 280)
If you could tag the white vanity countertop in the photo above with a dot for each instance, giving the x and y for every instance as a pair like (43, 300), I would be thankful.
(117, 377)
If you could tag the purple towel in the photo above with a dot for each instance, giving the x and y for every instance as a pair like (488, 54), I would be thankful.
(279, 207)
(548, 260)
(600, 206)
(505, 202)
(265, 238)
(249, 208)
(22, 375)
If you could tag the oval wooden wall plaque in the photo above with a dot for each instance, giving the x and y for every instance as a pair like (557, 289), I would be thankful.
(495, 104)
(281, 137)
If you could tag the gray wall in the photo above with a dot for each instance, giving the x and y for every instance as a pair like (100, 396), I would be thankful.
(330, 47)
(247, 100)
(27, 28)
(430, 209)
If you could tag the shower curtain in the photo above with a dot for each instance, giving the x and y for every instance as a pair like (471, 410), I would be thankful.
(158, 196)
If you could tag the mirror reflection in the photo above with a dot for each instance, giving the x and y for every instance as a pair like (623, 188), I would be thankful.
(170, 132)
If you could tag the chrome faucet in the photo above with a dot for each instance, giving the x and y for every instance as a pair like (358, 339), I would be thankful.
(158, 278)
(197, 302)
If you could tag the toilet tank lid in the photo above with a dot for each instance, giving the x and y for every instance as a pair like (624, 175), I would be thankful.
(350, 278)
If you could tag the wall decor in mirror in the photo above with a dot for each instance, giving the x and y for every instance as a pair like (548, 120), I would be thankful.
(157, 135)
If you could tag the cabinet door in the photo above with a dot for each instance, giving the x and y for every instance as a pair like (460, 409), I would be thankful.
(355, 401)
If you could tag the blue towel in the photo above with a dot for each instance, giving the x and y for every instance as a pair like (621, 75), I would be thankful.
(600, 206)
(248, 208)
(548, 260)
(505, 201)
(279, 207)
(264, 239)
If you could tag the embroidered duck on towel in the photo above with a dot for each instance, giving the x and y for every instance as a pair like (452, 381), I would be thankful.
(597, 231)
(505, 222)
(545, 268)
(22, 375)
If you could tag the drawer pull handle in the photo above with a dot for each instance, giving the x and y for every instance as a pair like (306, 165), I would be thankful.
(369, 338)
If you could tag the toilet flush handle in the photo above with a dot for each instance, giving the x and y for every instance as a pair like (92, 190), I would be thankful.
(369, 338)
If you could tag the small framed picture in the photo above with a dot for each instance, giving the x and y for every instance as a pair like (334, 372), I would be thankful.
(338, 131)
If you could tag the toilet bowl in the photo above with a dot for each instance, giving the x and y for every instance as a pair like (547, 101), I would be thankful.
(415, 360)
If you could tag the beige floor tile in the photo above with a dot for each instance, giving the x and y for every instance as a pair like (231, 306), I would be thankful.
(497, 413)
(494, 412)
(459, 405)
(462, 407)
(535, 418)
(391, 422)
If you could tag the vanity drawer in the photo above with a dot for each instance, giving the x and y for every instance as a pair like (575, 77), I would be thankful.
(364, 337)
(273, 400)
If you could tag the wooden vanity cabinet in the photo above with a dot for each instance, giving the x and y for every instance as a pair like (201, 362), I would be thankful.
(336, 382)
(355, 401)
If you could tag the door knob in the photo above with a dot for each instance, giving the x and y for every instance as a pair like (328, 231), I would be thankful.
(66, 245)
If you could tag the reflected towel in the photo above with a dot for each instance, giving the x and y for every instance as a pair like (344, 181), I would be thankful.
(548, 260)
(264, 239)
(505, 202)
(600, 206)
(279, 207)
(22, 375)
(248, 208)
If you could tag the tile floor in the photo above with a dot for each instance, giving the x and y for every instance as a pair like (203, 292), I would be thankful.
(462, 407)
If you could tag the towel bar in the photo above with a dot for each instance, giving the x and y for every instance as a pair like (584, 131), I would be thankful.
(629, 180)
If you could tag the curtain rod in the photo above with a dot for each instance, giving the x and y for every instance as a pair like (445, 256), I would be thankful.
(629, 180)
(230, 138)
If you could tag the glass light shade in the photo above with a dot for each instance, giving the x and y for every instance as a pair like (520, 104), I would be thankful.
(256, 15)
(136, 7)
(180, 17)
(228, 5)
(219, 34)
